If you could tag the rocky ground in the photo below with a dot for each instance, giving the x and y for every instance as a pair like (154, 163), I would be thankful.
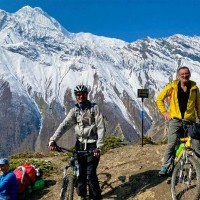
(126, 173)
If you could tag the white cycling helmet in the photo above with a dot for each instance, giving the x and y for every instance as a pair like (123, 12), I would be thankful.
(80, 88)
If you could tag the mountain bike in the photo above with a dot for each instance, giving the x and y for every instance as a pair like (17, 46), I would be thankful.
(185, 180)
(70, 173)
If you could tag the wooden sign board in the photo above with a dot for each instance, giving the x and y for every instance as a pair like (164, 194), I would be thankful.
(143, 93)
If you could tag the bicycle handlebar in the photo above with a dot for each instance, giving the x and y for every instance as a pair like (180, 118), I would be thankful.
(184, 120)
(62, 149)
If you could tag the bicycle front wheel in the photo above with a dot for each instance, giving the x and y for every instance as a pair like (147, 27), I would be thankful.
(67, 190)
(70, 188)
(185, 183)
(64, 188)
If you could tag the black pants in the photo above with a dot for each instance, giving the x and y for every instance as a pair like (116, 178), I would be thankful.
(88, 166)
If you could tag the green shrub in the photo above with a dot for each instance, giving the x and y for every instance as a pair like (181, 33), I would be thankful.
(23, 155)
(162, 142)
(147, 140)
(27, 155)
(46, 166)
(111, 142)
(38, 159)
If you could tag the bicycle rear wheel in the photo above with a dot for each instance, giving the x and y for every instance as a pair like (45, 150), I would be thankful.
(185, 183)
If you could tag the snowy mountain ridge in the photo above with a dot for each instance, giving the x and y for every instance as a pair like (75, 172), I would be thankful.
(41, 63)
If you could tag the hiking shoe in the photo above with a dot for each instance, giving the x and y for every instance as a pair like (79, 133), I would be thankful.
(163, 171)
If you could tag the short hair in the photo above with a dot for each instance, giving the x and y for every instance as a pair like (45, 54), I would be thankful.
(182, 67)
(179, 68)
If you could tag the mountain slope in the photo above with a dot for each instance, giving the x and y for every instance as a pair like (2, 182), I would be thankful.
(41, 63)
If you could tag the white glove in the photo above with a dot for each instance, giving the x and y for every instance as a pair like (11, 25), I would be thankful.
(52, 143)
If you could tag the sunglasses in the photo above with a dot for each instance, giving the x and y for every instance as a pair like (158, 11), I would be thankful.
(80, 94)
(185, 74)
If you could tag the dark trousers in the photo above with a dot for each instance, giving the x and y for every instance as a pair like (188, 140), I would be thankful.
(88, 165)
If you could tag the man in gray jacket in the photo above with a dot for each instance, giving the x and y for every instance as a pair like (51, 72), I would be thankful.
(90, 133)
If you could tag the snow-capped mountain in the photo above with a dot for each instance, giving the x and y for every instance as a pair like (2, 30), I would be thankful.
(41, 63)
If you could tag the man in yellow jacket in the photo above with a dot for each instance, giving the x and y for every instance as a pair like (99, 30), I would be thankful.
(184, 100)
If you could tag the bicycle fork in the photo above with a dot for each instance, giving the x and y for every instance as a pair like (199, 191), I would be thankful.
(185, 175)
(64, 183)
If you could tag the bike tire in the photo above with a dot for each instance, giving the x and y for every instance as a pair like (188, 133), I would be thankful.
(70, 188)
(64, 188)
(186, 185)
(67, 189)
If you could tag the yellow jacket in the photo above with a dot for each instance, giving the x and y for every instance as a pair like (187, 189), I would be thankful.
(170, 91)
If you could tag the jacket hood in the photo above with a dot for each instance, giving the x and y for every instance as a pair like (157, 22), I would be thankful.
(175, 84)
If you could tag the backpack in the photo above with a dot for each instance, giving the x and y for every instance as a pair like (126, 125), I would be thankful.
(92, 111)
(38, 185)
(26, 175)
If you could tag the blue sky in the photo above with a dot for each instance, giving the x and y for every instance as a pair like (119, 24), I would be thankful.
(128, 20)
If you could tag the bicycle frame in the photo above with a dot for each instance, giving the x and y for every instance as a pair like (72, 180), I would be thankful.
(187, 145)
(71, 173)
(73, 165)
(186, 140)
(185, 181)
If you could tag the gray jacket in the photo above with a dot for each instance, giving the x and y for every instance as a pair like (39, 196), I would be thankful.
(89, 125)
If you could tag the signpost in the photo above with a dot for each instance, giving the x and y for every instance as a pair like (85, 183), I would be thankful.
(142, 93)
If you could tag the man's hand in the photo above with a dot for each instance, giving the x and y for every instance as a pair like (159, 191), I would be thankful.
(166, 116)
(52, 145)
(97, 153)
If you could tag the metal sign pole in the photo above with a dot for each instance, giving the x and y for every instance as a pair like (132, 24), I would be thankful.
(142, 113)
(143, 93)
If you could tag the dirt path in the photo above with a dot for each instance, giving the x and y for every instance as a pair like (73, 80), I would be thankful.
(125, 173)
